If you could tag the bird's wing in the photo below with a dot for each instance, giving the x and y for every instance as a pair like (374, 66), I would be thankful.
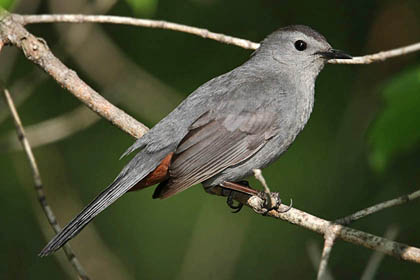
(213, 144)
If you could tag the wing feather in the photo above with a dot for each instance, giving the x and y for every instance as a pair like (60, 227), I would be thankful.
(213, 145)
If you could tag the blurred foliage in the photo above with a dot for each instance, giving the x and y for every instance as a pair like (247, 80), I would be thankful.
(327, 171)
(143, 7)
(7, 4)
(397, 128)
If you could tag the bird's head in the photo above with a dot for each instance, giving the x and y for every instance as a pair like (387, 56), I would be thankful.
(299, 47)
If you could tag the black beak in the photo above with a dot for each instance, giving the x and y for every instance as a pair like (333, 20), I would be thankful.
(334, 54)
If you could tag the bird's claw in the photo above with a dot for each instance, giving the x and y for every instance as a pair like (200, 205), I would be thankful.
(230, 203)
(288, 207)
(267, 203)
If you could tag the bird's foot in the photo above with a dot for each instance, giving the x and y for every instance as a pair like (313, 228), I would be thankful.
(267, 205)
(231, 188)
(231, 204)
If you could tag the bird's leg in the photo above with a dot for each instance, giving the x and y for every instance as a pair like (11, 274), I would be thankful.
(241, 186)
(220, 191)
(230, 189)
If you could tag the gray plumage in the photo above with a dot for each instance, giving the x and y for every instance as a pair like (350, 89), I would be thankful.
(234, 123)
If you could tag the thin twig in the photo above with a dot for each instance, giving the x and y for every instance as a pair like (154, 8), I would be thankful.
(378, 57)
(77, 18)
(246, 44)
(372, 266)
(258, 175)
(329, 238)
(376, 258)
(314, 253)
(39, 186)
(378, 207)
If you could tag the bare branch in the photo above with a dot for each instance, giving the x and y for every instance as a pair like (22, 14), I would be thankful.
(77, 18)
(378, 207)
(377, 57)
(246, 44)
(318, 225)
(377, 257)
(36, 50)
(314, 253)
(39, 186)
(329, 237)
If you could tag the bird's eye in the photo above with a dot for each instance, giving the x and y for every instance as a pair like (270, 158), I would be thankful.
(300, 45)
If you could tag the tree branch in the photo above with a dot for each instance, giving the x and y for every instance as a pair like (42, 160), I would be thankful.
(329, 239)
(376, 258)
(378, 207)
(246, 44)
(36, 50)
(315, 257)
(39, 186)
(318, 225)
(378, 57)
(74, 18)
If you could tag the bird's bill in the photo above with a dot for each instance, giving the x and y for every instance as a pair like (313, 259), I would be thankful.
(334, 54)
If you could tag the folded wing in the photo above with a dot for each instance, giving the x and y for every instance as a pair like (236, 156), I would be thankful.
(213, 144)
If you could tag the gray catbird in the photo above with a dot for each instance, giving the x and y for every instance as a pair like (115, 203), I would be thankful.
(240, 121)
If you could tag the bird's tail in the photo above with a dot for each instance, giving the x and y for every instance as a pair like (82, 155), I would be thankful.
(102, 201)
(135, 171)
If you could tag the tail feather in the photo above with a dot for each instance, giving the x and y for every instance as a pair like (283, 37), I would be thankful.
(102, 201)
(135, 171)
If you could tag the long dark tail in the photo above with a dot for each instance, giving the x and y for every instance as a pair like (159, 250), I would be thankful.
(102, 201)
(135, 171)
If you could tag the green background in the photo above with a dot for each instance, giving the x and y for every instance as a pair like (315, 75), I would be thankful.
(360, 147)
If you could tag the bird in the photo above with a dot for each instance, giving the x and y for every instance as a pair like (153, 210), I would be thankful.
(231, 125)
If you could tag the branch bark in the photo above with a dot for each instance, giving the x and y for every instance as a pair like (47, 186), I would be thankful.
(314, 253)
(321, 226)
(376, 258)
(329, 239)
